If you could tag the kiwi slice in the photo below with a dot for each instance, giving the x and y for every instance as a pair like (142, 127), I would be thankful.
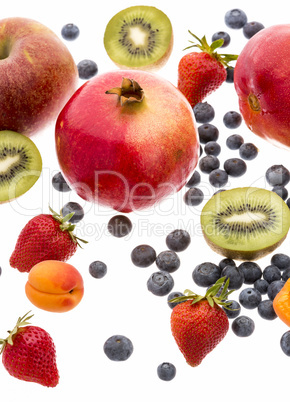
(245, 223)
(20, 165)
(139, 37)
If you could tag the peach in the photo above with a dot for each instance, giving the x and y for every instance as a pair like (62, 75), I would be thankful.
(54, 286)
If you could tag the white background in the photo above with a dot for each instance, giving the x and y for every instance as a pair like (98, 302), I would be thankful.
(238, 368)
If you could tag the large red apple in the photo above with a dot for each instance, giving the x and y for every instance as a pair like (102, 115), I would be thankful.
(127, 148)
(37, 75)
(262, 82)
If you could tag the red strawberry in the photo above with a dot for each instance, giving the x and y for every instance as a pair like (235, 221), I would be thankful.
(44, 237)
(200, 74)
(29, 354)
(199, 323)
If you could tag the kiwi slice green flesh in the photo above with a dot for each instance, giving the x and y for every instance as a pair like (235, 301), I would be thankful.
(245, 223)
(20, 165)
(139, 37)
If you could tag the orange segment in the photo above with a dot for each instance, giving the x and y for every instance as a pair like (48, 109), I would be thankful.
(281, 303)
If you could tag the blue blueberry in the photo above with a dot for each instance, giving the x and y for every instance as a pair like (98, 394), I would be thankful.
(168, 261)
(252, 272)
(174, 295)
(194, 180)
(118, 348)
(234, 141)
(87, 69)
(281, 191)
(70, 32)
(262, 286)
(282, 261)
(274, 288)
(271, 273)
(277, 175)
(74, 207)
(235, 18)
(233, 310)
(98, 269)
(143, 255)
(59, 183)
(251, 28)
(160, 283)
(193, 197)
(206, 274)
(248, 151)
(226, 261)
(207, 132)
(250, 298)
(178, 240)
(203, 112)
(266, 310)
(288, 203)
(285, 343)
(208, 163)
(286, 274)
(232, 119)
(119, 226)
(243, 326)
(230, 74)
(212, 148)
(235, 167)
(235, 276)
(166, 371)
(222, 35)
(218, 178)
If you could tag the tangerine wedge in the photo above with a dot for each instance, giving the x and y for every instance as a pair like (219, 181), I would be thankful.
(281, 303)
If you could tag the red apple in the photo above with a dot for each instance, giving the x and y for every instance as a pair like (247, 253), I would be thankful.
(262, 83)
(130, 147)
(37, 75)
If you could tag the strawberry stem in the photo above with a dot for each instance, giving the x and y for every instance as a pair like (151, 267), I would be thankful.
(21, 322)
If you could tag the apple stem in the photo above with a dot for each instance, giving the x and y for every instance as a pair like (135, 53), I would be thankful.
(129, 92)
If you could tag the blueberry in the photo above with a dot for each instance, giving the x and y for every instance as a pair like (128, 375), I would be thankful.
(98, 269)
(250, 298)
(288, 203)
(160, 283)
(206, 274)
(207, 132)
(282, 261)
(203, 112)
(119, 226)
(59, 183)
(178, 240)
(230, 74)
(226, 261)
(166, 371)
(70, 32)
(218, 178)
(194, 180)
(235, 18)
(243, 326)
(286, 275)
(222, 35)
(248, 151)
(143, 255)
(251, 28)
(235, 276)
(168, 261)
(277, 175)
(274, 288)
(285, 343)
(233, 309)
(200, 151)
(281, 191)
(234, 141)
(235, 167)
(87, 69)
(252, 272)
(118, 348)
(271, 273)
(76, 209)
(193, 197)
(232, 119)
(266, 310)
(172, 296)
(212, 148)
(208, 163)
(262, 286)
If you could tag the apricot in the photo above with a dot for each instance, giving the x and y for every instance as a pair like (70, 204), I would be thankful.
(54, 286)
(281, 303)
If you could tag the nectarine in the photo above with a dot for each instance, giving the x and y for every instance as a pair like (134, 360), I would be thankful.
(54, 286)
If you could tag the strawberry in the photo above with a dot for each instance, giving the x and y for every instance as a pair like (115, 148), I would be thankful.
(44, 237)
(198, 324)
(201, 73)
(28, 353)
